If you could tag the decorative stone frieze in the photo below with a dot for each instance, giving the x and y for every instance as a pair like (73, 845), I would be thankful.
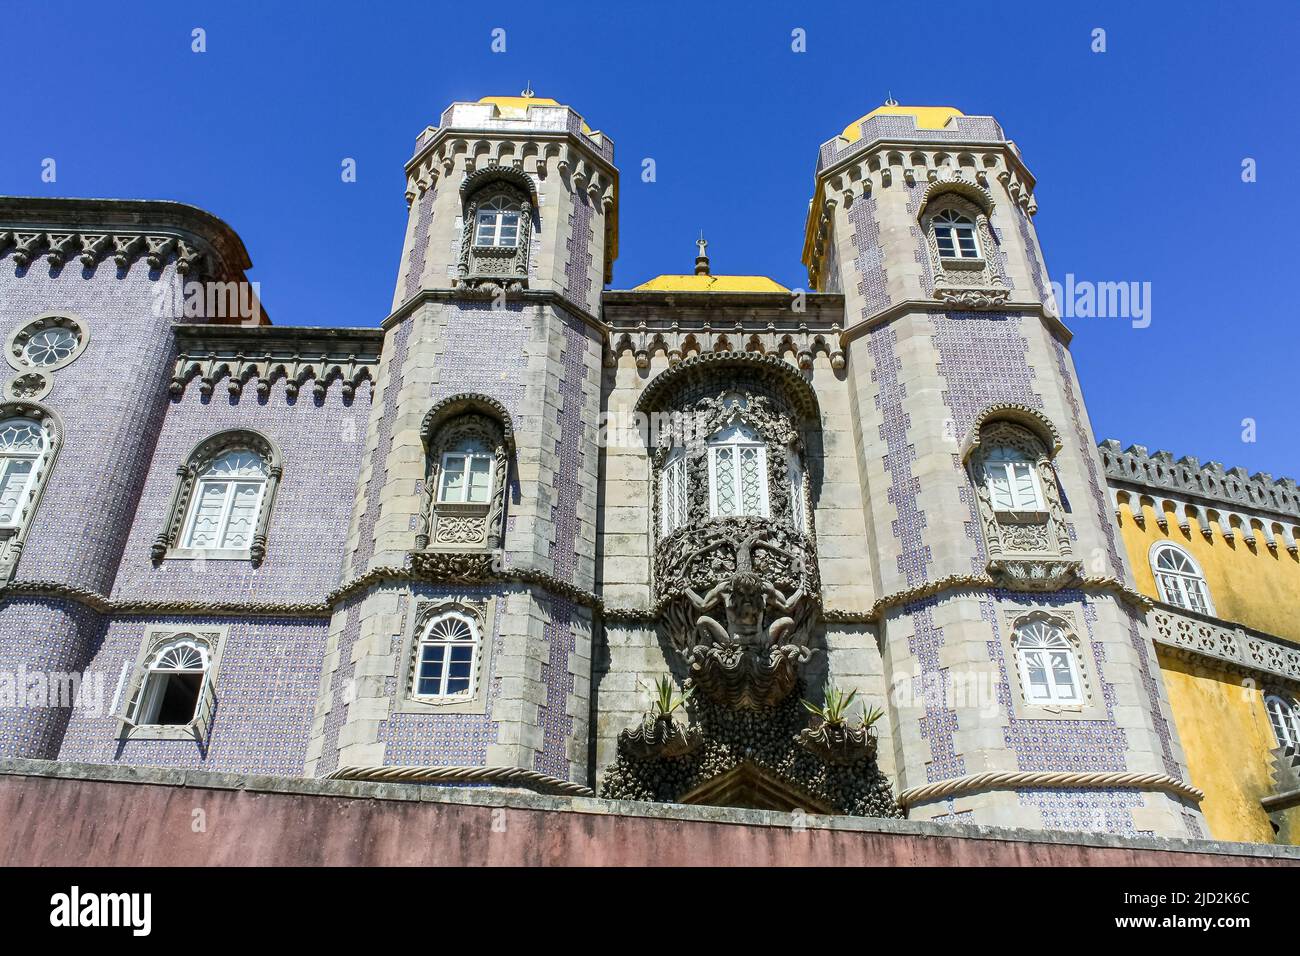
(1237, 502)
(239, 355)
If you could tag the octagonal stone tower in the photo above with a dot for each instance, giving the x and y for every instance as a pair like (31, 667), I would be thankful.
(957, 364)
(476, 510)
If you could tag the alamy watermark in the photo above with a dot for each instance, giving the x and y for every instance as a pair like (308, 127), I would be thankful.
(175, 299)
(1084, 299)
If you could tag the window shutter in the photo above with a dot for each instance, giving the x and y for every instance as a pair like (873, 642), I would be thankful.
(127, 712)
(207, 706)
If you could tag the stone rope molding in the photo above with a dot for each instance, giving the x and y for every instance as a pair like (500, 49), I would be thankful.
(1048, 780)
(496, 776)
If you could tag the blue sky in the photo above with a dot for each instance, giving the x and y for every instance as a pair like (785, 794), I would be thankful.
(1137, 151)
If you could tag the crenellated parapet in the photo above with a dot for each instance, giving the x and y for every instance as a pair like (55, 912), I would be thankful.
(237, 356)
(1237, 502)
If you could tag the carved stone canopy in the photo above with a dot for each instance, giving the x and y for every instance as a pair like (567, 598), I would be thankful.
(739, 369)
(1023, 415)
(464, 403)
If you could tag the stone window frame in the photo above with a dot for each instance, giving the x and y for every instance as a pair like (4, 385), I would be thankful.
(154, 640)
(974, 282)
(460, 418)
(13, 537)
(508, 265)
(703, 415)
(674, 462)
(16, 343)
(167, 544)
(482, 612)
(1153, 554)
(1031, 432)
(738, 423)
(1092, 706)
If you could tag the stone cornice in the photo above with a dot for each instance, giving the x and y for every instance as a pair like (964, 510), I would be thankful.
(240, 354)
(103, 604)
(121, 229)
(1157, 473)
(533, 297)
(892, 312)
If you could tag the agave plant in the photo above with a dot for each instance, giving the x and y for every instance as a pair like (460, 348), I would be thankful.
(666, 699)
(836, 706)
(870, 715)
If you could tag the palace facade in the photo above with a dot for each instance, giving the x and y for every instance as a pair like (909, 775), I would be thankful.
(533, 532)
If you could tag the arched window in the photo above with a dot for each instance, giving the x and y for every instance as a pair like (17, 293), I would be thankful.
(672, 492)
(1048, 668)
(1012, 484)
(227, 502)
(1284, 715)
(497, 223)
(1179, 580)
(466, 473)
(447, 657)
(221, 507)
(22, 444)
(955, 235)
(174, 683)
(737, 473)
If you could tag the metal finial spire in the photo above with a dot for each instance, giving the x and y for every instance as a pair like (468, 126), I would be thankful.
(889, 99)
(702, 260)
(527, 90)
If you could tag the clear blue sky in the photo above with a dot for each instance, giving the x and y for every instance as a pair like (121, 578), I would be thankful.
(1137, 150)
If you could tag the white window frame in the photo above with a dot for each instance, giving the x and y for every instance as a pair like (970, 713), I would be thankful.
(492, 214)
(469, 451)
(1187, 586)
(955, 222)
(149, 701)
(1284, 715)
(739, 436)
(196, 496)
(1005, 468)
(426, 639)
(1042, 633)
(23, 500)
(674, 492)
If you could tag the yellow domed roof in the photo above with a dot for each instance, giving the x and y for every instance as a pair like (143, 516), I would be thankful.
(927, 117)
(516, 107)
(708, 283)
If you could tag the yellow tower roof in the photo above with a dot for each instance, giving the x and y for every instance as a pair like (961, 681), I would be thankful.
(927, 117)
(707, 283)
(516, 107)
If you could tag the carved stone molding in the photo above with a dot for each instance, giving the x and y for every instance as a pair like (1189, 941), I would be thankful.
(91, 248)
(705, 371)
(1230, 494)
(1028, 574)
(797, 336)
(210, 354)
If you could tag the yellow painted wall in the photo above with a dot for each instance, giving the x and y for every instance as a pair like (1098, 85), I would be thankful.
(1255, 586)
(1228, 741)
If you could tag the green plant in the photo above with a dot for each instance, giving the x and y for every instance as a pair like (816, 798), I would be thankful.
(870, 715)
(837, 705)
(666, 699)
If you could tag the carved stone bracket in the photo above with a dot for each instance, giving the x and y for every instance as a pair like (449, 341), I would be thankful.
(1035, 574)
(839, 743)
(747, 677)
(660, 737)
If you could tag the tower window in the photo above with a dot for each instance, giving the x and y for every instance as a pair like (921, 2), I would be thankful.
(737, 473)
(1284, 715)
(1012, 484)
(1179, 580)
(1047, 663)
(447, 657)
(466, 474)
(22, 442)
(497, 223)
(794, 471)
(227, 502)
(955, 235)
(173, 684)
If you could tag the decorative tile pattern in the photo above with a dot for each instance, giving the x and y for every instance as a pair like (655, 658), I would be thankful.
(933, 685)
(869, 257)
(441, 740)
(553, 716)
(420, 242)
(339, 682)
(266, 685)
(1087, 811)
(577, 270)
(569, 459)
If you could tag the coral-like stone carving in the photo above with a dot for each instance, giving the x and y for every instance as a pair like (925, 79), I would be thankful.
(839, 743)
(660, 737)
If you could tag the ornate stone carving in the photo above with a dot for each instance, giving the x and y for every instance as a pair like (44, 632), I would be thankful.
(460, 421)
(839, 743)
(966, 283)
(746, 635)
(187, 475)
(93, 247)
(1035, 574)
(495, 269)
(660, 737)
(763, 746)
